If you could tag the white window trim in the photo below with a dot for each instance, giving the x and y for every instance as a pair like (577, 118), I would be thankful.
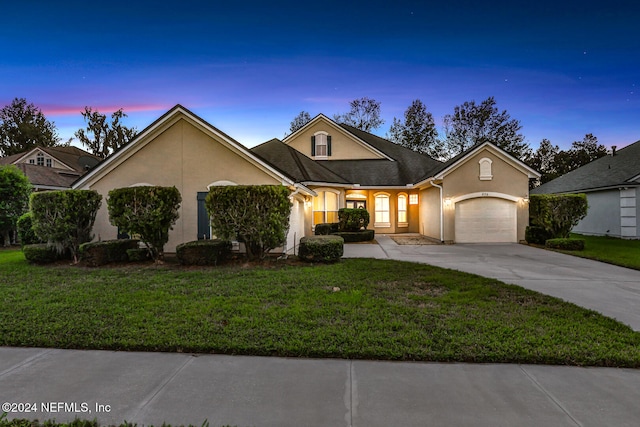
(375, 210)
(414, 199)
(484, 176)
(403, 224)
(326, 190)
(326, 145)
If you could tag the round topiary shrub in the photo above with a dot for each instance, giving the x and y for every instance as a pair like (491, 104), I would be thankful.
(321, 248)
(566, 244)
(203, 252)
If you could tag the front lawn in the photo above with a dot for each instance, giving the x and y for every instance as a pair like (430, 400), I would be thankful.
(625, 253)
(358, 308)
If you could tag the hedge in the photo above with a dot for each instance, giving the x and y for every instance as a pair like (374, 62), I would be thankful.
(321, 248)
(557, 214)
(356, 236)
(138, 254)
(326, 228)
(353, 219)
(64, 219)
(257, 215)
(25, 230)
(566, 244)
(41, 253)
(203, 252)
(148, 212)
(536, 235)
(108, 251)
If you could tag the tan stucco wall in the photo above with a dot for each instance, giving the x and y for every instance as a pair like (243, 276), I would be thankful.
(430, 212)
(185, 157)
(507, 179)
(343, 147)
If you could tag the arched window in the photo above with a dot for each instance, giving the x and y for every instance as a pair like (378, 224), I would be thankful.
(402, 211)
(325, 207)
(321, 144)
(382, 217)
(485, 169)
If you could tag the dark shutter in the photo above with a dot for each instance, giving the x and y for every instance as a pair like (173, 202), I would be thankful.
(328, 145)
(313, 145)
(204, 228)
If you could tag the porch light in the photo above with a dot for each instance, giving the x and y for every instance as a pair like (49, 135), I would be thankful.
(447, 201)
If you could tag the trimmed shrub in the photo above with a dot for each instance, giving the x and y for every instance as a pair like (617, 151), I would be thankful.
(40, 253)
(105, 252)
(536, 235)
(138, 254)
(64, 219)
(25, 230)
(353, 219)
(257, 215)
(14, 200)
(557, 214)
(203, 252)
(147, 212)
(356, 236)
(566, 244)
(326, 228)
(321, 248)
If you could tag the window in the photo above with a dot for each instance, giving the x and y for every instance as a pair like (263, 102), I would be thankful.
(49, 163)
(32, 162)
(325, 207)
(40, 158)
(382, 211)
(485, 169)
(321, 145)
(402, 211)
(413, 199)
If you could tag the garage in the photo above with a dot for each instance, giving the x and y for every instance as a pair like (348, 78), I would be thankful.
(486, 220)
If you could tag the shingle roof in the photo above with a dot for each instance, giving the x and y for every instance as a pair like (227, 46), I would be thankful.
(73, 157)
(607, 171)
(295, 164)
(48, 177)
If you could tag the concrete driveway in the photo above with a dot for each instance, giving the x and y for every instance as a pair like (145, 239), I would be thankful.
(611, 290)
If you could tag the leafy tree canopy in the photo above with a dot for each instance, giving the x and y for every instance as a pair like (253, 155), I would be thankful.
(15, 189)
(364, 115)
(418, 131)
(299, 121)
(472, 124)
(102, 137)
(23, 127)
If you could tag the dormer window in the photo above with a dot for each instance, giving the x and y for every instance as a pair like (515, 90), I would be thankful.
(485, 169)
(40, 159)
(321, 145)
(49, 162)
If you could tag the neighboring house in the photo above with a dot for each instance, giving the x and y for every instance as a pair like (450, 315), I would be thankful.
(611, 185)
(479, 196)
(52, 168)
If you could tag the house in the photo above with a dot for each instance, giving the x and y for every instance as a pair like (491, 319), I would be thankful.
(52, 168)
(611, 185)
(479, 196)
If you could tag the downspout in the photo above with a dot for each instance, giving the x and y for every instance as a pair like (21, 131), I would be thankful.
(441, 210)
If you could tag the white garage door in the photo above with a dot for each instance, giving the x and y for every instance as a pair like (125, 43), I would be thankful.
(486, 220)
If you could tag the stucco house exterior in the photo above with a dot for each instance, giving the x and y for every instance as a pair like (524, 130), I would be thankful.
(478, 196)
(52, 168)
(611, 185)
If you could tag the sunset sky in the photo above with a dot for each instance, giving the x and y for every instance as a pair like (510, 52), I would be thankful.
(563, 68)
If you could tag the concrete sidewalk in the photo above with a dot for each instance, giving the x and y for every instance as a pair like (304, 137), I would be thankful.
(152, 388)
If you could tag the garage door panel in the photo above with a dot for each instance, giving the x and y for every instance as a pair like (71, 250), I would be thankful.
(485, 220)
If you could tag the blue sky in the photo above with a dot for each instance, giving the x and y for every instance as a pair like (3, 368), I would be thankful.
(563, 68)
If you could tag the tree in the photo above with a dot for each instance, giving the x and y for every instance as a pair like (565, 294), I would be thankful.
(15, 189)
(418, 131)
(544, 160)
(364, 115)
(147, 211)
(557, 214)
(472, 124)
(257, 215)
(101, 137)
(23, 127)
(64, 219)
(580, 153)
(299, 121)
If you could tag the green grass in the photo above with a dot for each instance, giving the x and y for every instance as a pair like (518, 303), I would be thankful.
(625, 253)
(384, 309)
